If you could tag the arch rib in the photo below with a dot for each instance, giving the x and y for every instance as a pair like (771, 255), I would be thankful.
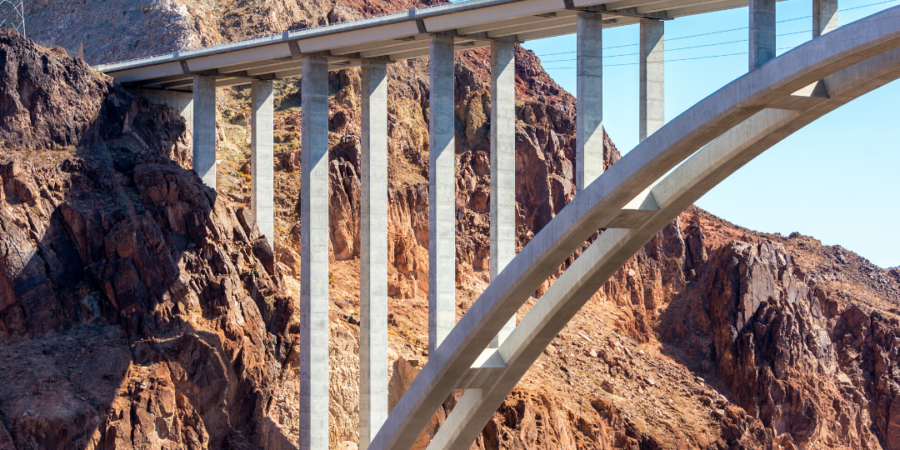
(599, 204)
(675, 193)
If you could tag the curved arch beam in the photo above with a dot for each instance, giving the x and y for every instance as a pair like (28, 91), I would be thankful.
(599, 204)
(674, 193)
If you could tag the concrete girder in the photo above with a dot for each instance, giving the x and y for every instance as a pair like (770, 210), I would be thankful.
(492, 13)
(378, 44)
(512, 22)
(640, 168)
(532, 27)
(153, 83)
(224, 60)
(703, 8)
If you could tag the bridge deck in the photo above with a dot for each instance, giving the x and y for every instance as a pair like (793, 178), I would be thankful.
(394, 37)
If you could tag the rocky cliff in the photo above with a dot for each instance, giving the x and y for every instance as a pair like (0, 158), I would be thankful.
(139, 309)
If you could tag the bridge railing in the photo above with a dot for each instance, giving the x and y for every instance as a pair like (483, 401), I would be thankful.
(301, 33)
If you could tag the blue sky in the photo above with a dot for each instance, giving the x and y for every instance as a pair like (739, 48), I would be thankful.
(836, 180)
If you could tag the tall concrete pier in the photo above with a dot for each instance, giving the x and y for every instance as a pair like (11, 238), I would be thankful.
(205, 129)
(762, 32)
(182, 101)
(373, 296)
(503, 164)
(653, 73)
(262, 195)
(589, 98)
(314, 256)
(441, 194)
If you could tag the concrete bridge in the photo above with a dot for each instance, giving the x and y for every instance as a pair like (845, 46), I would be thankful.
(675, 164)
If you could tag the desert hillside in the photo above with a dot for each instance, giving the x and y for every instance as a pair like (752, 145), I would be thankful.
(139, 309)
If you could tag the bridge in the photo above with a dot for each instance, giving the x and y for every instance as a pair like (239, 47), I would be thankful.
(486, 353)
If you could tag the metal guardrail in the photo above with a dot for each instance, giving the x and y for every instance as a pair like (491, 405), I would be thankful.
(290, 35)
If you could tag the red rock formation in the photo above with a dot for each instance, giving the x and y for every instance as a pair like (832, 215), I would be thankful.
(128, 288)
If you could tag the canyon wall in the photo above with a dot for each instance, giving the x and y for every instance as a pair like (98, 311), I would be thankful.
(139, 309)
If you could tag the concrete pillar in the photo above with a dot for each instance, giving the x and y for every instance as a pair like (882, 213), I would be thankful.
(441, 194)
(262, 157)
(503, 164)
(653, 77)
(314, 255)
(762, 32)
(825, 16)
(373, 296)
(182, 101)
(205, 129)
(589, 98)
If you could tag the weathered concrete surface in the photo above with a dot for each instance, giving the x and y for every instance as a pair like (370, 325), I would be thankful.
(262, 178)
(824, 17)
(503, 164)
(589, 95)
(205, 129)
(182, 101)
(314, 254)
(653, 77)
(373, 272)
(441, 194)
(762, 32)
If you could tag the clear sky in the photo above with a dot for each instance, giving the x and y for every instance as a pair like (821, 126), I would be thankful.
(836, 180)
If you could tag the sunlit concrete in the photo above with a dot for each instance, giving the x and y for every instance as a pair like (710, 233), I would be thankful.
(652, 77)
(589, 100)
(373, 274)
(314, 238)
(824, 16)
(205, 129)
(503, 164)
(441, 194)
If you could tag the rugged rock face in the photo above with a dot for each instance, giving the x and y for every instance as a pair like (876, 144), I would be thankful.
(131, 298)
(141, 310)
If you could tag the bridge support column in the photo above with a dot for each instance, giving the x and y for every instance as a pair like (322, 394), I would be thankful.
(653, 73)
(503, 165)
(825, 16)
(589, 98)
(205, 129)
(762, 32)
(373, 304)
(314, 256)
(182, 101)
(262, 162)
(441, 194)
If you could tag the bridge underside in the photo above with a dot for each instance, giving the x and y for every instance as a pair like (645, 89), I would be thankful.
(395, 38)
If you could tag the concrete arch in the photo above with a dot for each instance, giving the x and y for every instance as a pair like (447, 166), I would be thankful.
(635, 199)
